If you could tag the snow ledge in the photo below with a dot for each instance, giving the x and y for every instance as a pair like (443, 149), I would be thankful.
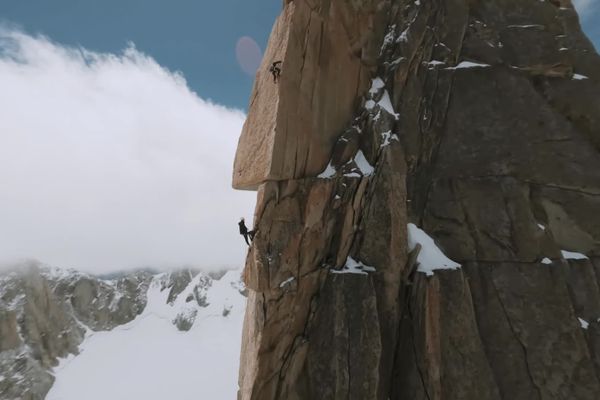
(430, 258)
(353, 267)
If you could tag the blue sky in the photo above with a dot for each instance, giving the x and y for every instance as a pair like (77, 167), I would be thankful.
(589, 12)
(195, 37)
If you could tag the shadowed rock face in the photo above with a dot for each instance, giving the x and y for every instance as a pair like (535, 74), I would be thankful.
(479, 122)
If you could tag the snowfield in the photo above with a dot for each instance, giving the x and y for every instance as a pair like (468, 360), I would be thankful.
(150, 359)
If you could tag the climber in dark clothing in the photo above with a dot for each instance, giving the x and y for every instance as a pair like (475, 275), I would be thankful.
(245, 232)
(275, 69)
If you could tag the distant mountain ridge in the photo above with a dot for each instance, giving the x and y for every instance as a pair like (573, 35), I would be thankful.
(46, 313)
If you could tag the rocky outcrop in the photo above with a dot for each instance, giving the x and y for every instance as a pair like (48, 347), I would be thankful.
(187, 293)
(476, 121)
(103, 304)
(35, 333)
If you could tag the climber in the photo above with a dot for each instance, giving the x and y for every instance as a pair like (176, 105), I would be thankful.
(245, 232)
(275, 69)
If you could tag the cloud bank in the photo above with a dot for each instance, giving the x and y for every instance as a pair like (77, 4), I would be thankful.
(109, 161)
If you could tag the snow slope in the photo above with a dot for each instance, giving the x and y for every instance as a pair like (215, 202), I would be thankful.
(149, 358)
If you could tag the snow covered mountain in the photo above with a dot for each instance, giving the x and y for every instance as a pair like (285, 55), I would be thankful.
(67, 335)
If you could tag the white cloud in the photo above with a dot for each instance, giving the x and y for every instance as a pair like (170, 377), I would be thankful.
(109, 161)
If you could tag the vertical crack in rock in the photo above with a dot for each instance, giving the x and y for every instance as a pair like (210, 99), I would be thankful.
(518, 339)
(415, 352)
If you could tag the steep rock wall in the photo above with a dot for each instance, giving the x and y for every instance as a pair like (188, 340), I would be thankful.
(325, 48)
(481, 127)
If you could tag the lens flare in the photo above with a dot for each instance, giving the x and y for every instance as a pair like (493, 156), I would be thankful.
(248, 54)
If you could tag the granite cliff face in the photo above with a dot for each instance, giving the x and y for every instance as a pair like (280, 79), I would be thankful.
(474, 123)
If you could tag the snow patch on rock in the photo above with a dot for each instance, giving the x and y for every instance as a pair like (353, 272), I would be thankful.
(388, 137)
(430, 258)
(353, 267)
(569, 255)
(579, 77)
(376, 85)
(385, 102)
(363, 165)
(286, 282)
(469, 64)
(328, 173)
